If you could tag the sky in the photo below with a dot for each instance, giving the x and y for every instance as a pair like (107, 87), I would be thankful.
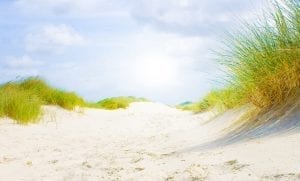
(158, 49)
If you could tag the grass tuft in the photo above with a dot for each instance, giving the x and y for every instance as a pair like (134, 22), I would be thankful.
(22, 100)
(18, 104)
(263, 62)
(222, 99)
(51, 96)
(116, 102)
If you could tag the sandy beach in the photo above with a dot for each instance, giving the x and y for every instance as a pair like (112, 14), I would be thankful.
(147, 141)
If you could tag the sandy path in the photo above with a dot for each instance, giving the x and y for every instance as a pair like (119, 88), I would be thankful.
(148, 141)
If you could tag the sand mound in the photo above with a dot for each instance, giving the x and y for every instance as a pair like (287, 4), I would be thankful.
(147, 141)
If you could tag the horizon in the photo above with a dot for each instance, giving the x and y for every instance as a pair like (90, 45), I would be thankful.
(159, 50)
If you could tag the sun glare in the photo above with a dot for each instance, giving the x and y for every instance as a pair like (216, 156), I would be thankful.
(155, 72)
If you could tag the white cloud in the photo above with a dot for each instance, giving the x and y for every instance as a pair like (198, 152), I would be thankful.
(174, 61)
(124, 50)
(72, 7)
(21, 62)
(52, 38)
(189, 17)
(16, 67)
(194, 17)
(159, 65)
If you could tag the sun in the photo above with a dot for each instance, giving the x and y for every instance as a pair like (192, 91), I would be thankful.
(155, 72)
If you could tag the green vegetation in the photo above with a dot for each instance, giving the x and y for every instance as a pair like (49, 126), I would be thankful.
(116, 102)
(221, 99)
(22, 100)
(188, 107)
(263, 62)
(19, 104)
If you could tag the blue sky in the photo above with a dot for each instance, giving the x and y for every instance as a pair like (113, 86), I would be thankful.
(159, 49)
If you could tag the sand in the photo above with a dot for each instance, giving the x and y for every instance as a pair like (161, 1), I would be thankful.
(147, 141)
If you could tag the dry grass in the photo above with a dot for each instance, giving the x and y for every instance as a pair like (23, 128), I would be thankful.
(262, 61)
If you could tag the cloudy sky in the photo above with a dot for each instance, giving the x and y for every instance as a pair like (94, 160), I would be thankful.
(159, 49)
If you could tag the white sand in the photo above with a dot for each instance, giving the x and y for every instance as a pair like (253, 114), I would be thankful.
(148, 141)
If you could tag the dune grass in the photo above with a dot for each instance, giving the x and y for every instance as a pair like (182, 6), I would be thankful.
(116, 102)
(222, 99)
(19, 104)
(191, 106)
(22, 100)
(262, 61)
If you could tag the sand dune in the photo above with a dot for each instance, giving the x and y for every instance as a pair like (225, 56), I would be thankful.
(147, 141)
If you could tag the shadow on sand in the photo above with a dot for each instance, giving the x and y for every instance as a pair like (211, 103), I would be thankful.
(287, 123)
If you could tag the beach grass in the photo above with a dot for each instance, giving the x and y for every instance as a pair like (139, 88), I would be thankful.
(222, 99)
(116, 102)
(262, 61)
(51, 96)
(20, 105)
(22, 100)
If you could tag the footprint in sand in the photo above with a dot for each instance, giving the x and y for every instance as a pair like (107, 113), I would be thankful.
(194, 172)
(136, 160)
(53, 161)
(282, 177)
(7, 159)
(139, 169)
(234, 165)
(86, 164)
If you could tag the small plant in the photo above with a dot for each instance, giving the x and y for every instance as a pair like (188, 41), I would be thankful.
(51, 96)
(221, 99)
(116, 102)
(18, 104)
(22, 100)
(67, 100)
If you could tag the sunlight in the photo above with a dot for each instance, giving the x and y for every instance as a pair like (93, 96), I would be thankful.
(155, 72)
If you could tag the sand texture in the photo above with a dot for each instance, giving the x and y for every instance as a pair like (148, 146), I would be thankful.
(147, 141)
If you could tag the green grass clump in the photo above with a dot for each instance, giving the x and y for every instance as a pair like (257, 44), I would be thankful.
(51, 96)
(22, 100)
(116, 102)
(66, 100)
(189, 107)
(19, 104)
(221, 99)
(263, 61)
